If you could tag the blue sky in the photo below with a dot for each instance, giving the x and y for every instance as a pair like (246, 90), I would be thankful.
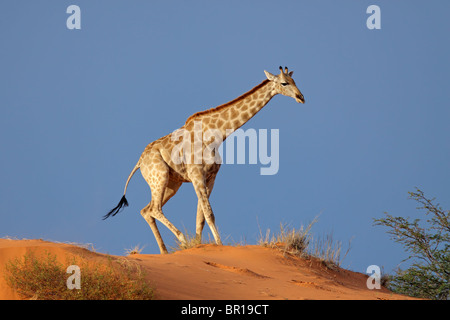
(79, 106)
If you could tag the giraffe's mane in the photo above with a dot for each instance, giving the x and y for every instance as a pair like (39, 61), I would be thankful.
(222, 106)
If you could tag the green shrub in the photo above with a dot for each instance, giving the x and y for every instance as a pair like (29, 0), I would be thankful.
(428, 245)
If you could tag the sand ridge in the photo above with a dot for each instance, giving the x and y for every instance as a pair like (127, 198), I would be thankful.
(211, 272)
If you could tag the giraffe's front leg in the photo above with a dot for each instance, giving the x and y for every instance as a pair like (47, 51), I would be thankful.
(200, 222)
(203, 202)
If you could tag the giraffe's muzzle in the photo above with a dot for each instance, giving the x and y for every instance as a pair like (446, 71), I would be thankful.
(299, 98)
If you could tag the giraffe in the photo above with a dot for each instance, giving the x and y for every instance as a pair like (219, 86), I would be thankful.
(165, 174)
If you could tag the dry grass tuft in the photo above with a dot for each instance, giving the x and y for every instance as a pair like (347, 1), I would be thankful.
(135, 250)
(191, 242)
(302, 243)
(329, 251)
(289, 240)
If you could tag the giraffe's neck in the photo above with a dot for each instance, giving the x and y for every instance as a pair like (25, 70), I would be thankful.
(231, 116)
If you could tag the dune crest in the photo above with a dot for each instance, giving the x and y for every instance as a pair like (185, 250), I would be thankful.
(210, 272)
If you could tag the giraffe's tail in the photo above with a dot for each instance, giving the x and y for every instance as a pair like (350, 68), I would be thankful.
(123, 201)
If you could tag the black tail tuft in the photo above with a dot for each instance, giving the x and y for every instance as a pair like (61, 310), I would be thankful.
(122, 203)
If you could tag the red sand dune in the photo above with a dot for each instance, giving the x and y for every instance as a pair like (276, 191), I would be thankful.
(210, 272)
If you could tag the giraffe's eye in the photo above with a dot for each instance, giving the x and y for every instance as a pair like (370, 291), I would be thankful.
(284, 84)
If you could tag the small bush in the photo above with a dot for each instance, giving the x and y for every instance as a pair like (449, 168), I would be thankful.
(44, 278)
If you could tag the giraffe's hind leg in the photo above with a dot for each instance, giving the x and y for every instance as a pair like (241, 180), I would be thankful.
(171, 188)
(152, 223)
(162, 189)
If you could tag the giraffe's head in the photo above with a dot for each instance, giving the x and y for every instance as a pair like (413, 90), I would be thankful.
(285, 85)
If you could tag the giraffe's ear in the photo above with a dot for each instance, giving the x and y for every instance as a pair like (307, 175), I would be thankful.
(291, 73)
(270, 76)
